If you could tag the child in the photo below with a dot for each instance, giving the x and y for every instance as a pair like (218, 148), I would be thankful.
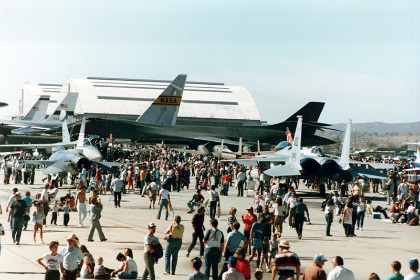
(37, 218)
(100, 272)
(265, 251)
(257, 198)
(87, 270)
(54, 213)
(108, 182)
(53, 261)
(274, 243)
(66, 210)
(258, 275)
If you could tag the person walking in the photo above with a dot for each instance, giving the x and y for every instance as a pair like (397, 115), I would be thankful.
(150, 240)
(315, 271)
(17, 210)
(174, 242)
(329, 215)
(116, 186)
(95, 215)
(240, 178)
(300, 210)
(163, 201)
(233, 240)
(72, 259)
(198, 231)
(214, 201)
(340, 272)
(214, 241)
(81, 205)
(249, 219)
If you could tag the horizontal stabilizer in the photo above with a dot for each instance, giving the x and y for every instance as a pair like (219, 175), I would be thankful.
(282, 170)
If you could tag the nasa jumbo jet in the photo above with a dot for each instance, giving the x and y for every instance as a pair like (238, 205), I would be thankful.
(155, 130)
(35, 122)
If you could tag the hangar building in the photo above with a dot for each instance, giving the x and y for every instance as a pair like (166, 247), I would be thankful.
(202, 103)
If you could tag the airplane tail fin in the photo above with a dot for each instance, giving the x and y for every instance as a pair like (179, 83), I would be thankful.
(81, 137)
(68, 104)
(310, 112)
(64, 128)
(39, 110)
(345, 149)
(294, 158)
(164, 110)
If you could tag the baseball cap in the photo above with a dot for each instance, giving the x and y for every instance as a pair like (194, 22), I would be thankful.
(150, 225)
(319, 258)
(17, 193)
(250, 208)
(232, 261)
(413, 263)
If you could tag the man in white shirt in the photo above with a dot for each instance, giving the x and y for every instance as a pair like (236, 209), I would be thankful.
(339, 272)
(414, 267)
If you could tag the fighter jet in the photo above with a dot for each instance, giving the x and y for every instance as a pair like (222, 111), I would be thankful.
(71, 160)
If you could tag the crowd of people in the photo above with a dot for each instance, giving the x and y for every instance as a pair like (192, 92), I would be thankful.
(160, 172)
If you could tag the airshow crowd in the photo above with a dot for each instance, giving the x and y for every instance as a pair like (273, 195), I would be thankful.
(158, 172)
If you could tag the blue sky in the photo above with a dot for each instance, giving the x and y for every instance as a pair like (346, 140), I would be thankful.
(360, 57)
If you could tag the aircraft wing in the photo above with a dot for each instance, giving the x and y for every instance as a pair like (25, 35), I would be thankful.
(283, 170)
(10, 153)
(40, 162)
(368, 173)
(109, 166)
(35, 146)
(411, 169)
(374, 165)
(189, 151)
(216, 140)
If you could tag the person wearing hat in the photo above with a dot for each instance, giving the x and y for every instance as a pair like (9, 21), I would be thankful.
(18, 209)
(72, 259)
(150, 240)
(232, 273)
(315, 271)
(197, 275)
(340, 272)
(286, 263)
(414, 268)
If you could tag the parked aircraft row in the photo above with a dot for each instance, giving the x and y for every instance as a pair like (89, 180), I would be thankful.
(159, 123)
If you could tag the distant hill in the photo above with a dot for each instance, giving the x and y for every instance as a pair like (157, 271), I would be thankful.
(375, 135)
(382, 128)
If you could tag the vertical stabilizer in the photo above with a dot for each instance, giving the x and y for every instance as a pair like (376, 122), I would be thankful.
(164, 110)
(81, 133)
(39, 110)
(240, 147)
(294, 158)
(64, 128)
(68, 104)
(345, 149)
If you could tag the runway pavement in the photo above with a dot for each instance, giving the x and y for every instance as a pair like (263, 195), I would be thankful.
(372, 250)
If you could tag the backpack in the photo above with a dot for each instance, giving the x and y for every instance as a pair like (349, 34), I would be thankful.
(158, 251)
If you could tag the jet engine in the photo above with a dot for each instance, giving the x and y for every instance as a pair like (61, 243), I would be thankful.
(79, 160)
(310, 167)
(329, 167)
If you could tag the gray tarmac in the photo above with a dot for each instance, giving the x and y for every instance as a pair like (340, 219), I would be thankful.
(373, 250)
